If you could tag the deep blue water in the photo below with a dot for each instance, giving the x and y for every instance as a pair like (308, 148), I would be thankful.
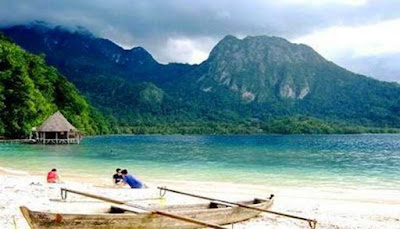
(327, 160)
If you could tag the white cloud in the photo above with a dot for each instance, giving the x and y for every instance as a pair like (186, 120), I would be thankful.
(355, 42)
(175, 31)
(187, 50)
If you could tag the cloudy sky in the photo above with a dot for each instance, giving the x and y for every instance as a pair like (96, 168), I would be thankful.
(361, 35)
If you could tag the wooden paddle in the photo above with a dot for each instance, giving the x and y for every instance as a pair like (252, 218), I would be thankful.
(311, 222)
(139, 209)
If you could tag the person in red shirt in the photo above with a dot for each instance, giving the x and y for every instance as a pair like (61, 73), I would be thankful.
(52, 176)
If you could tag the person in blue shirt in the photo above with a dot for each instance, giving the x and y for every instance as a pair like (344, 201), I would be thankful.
(131, 180)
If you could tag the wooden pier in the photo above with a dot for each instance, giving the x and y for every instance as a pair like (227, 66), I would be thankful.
(41, 141)
(17, 141)
(59, 141)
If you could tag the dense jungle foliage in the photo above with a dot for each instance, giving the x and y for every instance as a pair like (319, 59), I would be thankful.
(31, 91)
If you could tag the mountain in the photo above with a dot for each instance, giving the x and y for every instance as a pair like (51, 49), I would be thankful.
(269, 71)
(255, 84)
(79, 53)
(30, 91)
(111, 77)
(261, 68)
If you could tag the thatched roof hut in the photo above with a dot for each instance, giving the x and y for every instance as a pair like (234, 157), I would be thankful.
(56, 123)
(57, 130)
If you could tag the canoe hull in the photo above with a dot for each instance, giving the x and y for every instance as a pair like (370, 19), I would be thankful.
(221, 215)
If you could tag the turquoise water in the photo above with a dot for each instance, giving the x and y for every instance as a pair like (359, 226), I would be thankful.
(327, 160)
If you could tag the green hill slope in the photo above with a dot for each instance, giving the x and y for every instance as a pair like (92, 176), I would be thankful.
(271, 76)
(250, 85)
(30, 91)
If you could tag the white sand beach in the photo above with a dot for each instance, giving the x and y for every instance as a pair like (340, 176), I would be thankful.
(332, 208)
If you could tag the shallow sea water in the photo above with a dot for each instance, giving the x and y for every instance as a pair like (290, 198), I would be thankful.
(349, 161)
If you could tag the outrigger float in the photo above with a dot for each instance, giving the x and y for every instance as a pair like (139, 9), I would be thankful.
(124, 215)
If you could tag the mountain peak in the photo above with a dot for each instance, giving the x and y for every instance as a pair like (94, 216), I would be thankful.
(265, 48)
(139, 56)
(261, 67)
(265, 38)
(229, 37)
(260, 38)
(139, 50)
(63, 44)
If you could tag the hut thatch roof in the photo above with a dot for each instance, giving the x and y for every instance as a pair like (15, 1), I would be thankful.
(56, 123)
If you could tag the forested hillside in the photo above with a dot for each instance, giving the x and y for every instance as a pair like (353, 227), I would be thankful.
(257, 84)
(30, 91)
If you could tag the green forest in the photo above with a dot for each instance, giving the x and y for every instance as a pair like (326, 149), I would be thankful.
(31, 91)
(100, 96)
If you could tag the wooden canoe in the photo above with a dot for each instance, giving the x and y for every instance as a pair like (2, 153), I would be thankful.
(114, 217)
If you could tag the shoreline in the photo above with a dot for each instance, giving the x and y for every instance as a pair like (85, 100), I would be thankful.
(28, 141)
(333, 208)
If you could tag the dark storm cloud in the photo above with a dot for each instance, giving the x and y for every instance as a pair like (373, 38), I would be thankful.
(146, 18)
(156, 24)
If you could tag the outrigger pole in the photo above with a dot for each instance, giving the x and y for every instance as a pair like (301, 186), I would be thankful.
(311, 222)
(139, 209)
